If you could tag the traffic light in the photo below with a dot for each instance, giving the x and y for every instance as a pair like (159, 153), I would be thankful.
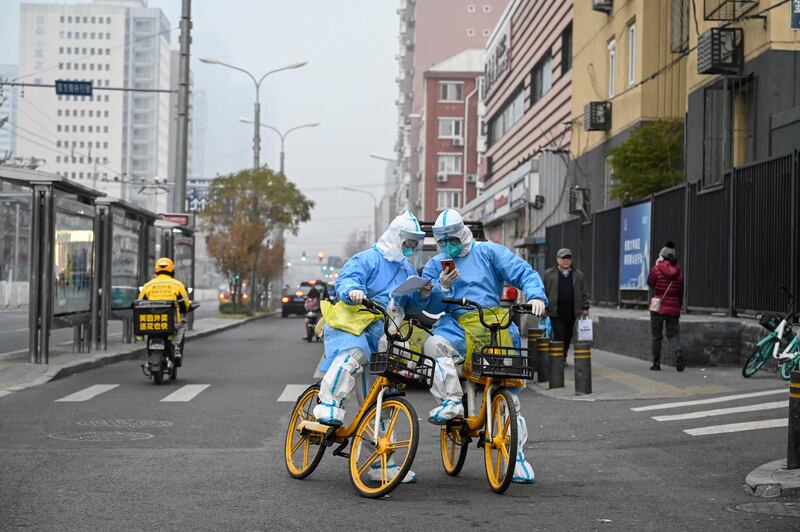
(321, 255)
(303, 258)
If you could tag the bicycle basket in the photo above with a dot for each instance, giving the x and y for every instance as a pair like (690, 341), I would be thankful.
(503, 362)
(401, 365)
(769, 321)
(153, 317)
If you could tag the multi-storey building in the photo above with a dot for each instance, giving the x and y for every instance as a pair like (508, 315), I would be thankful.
(430, 32)
(8, 112)
(449, 133)
(628, 69)
(526, 99)
(112, 140)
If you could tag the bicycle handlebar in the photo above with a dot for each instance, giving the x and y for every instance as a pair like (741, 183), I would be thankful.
(467, 304)
(375, 308)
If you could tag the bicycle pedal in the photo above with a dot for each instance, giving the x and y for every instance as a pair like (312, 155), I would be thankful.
(339, 451)
(481, 439)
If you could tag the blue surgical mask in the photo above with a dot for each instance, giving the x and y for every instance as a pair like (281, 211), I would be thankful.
(452, 249)
(408, 252)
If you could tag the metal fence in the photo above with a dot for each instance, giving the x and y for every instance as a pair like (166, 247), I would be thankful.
(737, 243)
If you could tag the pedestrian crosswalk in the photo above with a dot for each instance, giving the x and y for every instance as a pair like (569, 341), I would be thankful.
(182, 395)
(751, 404)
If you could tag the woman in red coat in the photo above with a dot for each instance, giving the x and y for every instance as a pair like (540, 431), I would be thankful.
(666, 280)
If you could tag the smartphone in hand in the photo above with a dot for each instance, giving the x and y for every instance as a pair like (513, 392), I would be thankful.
(448, 265)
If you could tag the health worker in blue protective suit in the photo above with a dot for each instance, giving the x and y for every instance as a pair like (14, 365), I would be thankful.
(371, 274)
(481, 269)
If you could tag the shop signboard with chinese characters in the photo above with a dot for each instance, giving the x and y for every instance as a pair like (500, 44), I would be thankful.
(634, 243)
(795, 14)
(497, 206)
(498, 59)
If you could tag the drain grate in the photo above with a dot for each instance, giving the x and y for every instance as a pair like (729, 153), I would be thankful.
(778, 509)
(125, 423)
(103, 436)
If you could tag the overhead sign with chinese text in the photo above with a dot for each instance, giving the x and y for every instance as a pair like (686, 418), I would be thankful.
(634, 247)
(73, 88)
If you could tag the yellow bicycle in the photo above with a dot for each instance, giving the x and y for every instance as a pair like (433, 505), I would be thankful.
(494, 422)
(385, 432)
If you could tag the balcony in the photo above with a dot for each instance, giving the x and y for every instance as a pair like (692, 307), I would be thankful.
(727, 9)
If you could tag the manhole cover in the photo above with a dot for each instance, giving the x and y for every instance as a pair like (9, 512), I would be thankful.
(125, 423)
(106, 435)
(781, 509)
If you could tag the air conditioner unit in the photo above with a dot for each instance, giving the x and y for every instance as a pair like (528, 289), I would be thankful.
(471, 178)
(458, 141)
(604, 6)
(721, 51)
(597, 116)
(441, 178)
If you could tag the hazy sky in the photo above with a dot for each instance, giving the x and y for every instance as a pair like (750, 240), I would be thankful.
(348, 86)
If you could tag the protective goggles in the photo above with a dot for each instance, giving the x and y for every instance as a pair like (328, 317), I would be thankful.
(448, 240)
(413, 244)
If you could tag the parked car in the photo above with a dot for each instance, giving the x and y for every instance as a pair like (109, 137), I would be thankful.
(226, 298)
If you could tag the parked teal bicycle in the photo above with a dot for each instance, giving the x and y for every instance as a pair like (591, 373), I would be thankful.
(777, 344)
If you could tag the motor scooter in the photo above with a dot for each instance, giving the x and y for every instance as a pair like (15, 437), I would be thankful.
(155, 321)
(312, 317)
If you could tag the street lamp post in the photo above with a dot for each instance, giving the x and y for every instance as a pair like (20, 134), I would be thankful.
(281, 135)
(374, 210)
(257, 118)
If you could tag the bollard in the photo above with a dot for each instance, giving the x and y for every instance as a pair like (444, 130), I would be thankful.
(543, 363)
(583, 368)
(556, 365)
(793, 455)
(533, 356)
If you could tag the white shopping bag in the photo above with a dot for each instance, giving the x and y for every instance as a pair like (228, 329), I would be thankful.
(585, 330)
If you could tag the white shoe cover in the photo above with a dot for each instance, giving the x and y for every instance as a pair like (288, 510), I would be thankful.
(329, 413)
(392, 470)
(523, 471)
(445, 412)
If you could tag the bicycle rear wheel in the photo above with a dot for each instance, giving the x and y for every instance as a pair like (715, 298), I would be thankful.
(453, 447)
(302, 453)
(757, 359)
(787, 368)
(394, 452)
(500, 454)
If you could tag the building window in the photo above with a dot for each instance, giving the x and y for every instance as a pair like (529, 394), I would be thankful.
(451, 91)
(717, 133)
(470, 8)
(470, 32)
(85, 20)
(507, 116)
(450, 128)
(608, 182)
(448, 199)
(541, 77)
(632, 54)
(566, 50)
(612, 67)
(486, 33)
(487, 8)
(58, 128)
(94, 20)
(449, 163)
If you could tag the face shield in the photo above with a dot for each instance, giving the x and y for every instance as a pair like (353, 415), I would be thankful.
(412, 247)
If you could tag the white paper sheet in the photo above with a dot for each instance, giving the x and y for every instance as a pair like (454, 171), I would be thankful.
(409, 286)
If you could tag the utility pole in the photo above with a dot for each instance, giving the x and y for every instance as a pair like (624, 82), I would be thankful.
(182, 148)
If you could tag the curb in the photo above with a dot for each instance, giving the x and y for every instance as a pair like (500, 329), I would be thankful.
(100, 360)
(773, 480)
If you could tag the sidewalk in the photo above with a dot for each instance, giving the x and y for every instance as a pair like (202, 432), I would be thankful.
(16, 373)
(620, 377)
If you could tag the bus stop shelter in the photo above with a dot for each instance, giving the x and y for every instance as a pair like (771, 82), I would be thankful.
(124, 250)
(61, 244)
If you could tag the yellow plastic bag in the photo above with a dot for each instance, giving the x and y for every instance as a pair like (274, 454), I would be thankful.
(347, 318)
(477, 337)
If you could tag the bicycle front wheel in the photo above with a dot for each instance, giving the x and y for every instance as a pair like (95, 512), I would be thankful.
(302, 453)
(500, 445)
(376, 468)
(757, 359)
(787, 368)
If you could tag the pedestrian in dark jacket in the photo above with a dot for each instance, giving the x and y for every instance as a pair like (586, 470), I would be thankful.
(567, 298)
(666, 281)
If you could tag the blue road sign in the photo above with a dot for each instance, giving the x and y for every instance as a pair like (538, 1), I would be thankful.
(73, 88)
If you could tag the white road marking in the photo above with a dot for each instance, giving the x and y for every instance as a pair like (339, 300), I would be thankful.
(14, 330)
(724, 411)
(291, 392)
(87, 393)
(738, 427)
(708, 401)
(185, 393)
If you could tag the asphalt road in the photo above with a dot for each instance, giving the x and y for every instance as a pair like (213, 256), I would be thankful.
(14, 329)
(215, 462)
